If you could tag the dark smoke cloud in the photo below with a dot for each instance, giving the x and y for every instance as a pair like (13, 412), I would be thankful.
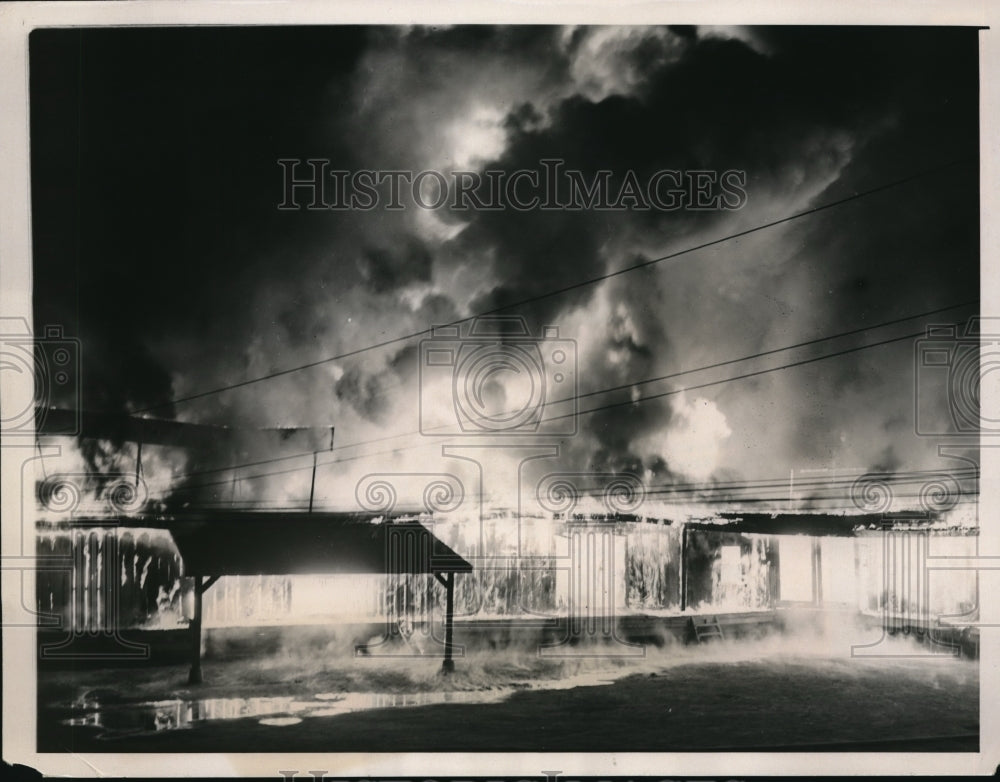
(158, 241)
(388, 268)
(633, 345)
(366, 394)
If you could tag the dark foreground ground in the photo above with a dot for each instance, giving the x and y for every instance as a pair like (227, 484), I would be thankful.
(706, 700)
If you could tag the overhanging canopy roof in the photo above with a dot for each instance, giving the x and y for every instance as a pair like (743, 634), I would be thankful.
(253, 543)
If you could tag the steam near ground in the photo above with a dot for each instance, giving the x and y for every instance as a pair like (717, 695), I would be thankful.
(818, 640)
(797, 688)
(813, 639)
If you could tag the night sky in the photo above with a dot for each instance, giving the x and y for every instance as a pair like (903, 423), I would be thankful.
(158, 242)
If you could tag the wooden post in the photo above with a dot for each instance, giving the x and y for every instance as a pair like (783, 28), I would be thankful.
(194, 677)
(201, 585)
(449, 664)
(138, 464)
(683, 567)
(774, 570)
(817, 572)
(312, 486)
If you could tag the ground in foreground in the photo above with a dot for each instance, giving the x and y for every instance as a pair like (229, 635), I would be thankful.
(775, 703)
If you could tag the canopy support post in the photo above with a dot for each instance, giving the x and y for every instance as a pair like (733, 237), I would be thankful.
(449, 615)
(817, 572)
(312, 485)
(201, 585)
(194, 677)
(682, 567)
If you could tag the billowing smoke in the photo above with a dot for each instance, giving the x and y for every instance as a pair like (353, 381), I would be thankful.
(245, 290)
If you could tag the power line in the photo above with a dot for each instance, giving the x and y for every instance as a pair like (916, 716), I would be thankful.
(828, 498)
(716, 365)
(290, 470)
(565, 289)
(891, 479)
(779, 481)
(959, 498)
(897, 479)
(743, 376)
(769, 352)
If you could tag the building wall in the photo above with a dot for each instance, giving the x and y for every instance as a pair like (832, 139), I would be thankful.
(730, 571)
(133, 577)
(106, 577)
(894, 578)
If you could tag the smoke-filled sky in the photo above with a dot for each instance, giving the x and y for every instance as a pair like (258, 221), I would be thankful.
(158, 240)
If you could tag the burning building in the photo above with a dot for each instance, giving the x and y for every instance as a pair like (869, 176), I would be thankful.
(626, 579)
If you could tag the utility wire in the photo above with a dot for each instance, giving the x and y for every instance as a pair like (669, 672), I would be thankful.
(565, 289)
(722, 381)
(716, 365)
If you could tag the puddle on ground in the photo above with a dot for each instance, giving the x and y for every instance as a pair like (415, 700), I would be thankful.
(280, 722)
(156, 716)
